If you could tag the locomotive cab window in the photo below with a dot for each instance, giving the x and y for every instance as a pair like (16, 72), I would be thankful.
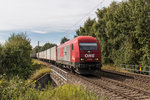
(88, 46)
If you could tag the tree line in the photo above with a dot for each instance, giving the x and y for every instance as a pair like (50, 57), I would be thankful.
(123, 30)
(42, 48)
(47, 46)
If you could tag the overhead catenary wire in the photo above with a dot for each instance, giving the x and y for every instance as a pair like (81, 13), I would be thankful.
(88, 14)
(80, 20)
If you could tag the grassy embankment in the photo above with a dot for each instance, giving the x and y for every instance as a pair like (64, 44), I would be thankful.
(114, 68)
(42, 69)
(18, 89)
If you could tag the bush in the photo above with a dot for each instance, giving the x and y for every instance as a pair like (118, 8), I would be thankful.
(16, 60)
(17, 89)
(10, 90)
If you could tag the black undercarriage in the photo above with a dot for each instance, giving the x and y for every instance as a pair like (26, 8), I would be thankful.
(88, 68)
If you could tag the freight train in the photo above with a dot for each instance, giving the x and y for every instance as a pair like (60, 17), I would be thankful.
(81, 54)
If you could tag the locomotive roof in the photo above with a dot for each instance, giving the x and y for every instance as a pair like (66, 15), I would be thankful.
(79, 38)
(84, 37)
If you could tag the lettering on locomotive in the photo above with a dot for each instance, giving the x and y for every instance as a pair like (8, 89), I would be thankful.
(89, 55)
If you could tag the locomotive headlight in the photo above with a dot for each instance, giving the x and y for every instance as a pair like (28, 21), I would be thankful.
(82, 59)
(96, 59)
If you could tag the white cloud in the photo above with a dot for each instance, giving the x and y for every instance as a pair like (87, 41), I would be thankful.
(40, 32)
(49, 15)
(45, 17)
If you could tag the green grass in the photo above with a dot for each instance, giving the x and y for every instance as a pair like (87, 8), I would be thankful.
(20, 89)
(115, 68)
(65, 92)
(37, 64)
(40, 70)
(40, 73)
(16, 89)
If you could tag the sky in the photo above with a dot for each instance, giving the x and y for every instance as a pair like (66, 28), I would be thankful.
(46, 20)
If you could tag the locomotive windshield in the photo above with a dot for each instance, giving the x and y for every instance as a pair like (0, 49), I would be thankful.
(88, 46)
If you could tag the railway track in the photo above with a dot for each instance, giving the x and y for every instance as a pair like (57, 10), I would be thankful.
(113, 88)
(134, 80)
(118, 90)
(143, 78)
(131, 92)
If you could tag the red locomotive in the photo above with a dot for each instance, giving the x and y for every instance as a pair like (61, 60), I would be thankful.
(82, 55)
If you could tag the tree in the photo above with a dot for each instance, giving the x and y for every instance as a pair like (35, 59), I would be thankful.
(1, 70)
(36, 49)
(123, 30)
(47, 46)
(16, 60)
(42, 48)
(63, 40)
(87, 29)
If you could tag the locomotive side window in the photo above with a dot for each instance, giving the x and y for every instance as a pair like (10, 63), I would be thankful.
(72, 46)
(88, 46)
